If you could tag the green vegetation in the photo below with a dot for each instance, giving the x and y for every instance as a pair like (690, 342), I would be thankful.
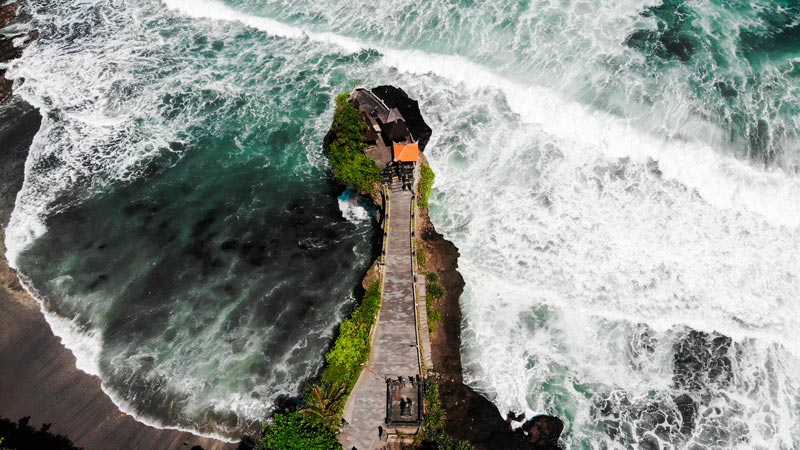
(425, 185)
(346, 153)
(435, 418)
(314, 424)
(435, 292)
(292, 431)
(324, 404)
(420, 255)
(351, 349)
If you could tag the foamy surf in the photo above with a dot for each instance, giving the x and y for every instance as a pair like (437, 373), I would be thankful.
(603, 215)
(722, 180)
(86, 347)
(351, 209)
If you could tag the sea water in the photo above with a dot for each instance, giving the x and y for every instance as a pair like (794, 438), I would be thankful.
(632, 266)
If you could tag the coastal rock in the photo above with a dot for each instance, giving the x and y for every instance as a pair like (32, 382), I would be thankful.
(9, 52)
(470, 415)
(373, 275)
(5, 86)
(7, 13)
(543, 431)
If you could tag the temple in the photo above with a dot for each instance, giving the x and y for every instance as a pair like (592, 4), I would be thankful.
(389, 137)
(386, 406)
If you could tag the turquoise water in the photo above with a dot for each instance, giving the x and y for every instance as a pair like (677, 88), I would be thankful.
(620, 178)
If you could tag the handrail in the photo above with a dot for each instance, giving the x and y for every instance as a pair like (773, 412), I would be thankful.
(386, 206)
(414, 281)
(382, 260)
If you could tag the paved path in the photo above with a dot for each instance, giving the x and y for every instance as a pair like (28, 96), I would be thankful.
(394, 348)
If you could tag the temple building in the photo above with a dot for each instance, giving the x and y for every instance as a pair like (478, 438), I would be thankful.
(389, 139)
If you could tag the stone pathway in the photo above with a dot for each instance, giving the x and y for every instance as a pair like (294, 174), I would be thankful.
(394, 347)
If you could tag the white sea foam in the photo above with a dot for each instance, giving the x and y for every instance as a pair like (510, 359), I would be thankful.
(598, 244)
(574, 245)
(86, 346)
(350, 207)
(722, 180)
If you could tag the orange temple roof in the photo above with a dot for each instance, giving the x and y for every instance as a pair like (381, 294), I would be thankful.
(406, 152)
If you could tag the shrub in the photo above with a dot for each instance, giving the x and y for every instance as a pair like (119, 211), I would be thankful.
(291, 431)
(425, 185)
(432, 277)
(436, 291)
(435, 418)
(346, 152)
(351, 348)
(314, 424)
(323, 404)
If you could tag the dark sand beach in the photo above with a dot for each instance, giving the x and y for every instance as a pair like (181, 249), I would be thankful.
(38, 377)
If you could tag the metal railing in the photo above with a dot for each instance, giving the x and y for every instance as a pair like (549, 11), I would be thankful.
(382, 260)
(414, 279)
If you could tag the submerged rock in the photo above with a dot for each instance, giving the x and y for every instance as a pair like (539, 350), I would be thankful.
(9, 52)
(543, 431)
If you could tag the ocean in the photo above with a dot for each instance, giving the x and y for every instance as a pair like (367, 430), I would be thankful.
(621, 179)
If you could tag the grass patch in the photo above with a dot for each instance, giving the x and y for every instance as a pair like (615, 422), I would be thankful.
(346, 152)
(435, 292)
(420, 256)
(425, 185)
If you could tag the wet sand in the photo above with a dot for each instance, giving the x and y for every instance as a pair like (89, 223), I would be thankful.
(38, 377)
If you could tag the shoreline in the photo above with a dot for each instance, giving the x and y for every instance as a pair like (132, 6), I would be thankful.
(38, 374)
(470, 416)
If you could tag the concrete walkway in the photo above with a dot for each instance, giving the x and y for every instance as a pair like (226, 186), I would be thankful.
(394, 348)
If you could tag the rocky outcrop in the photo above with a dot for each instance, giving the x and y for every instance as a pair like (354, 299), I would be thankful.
(7, 14)
(395, 97)
(470, 415)
(543, 432)
(8, 51)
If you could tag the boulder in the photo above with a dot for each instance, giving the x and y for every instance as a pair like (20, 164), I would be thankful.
(543, 431)
(7, 13)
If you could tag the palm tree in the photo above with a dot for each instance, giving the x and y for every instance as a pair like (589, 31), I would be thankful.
(324, 403)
